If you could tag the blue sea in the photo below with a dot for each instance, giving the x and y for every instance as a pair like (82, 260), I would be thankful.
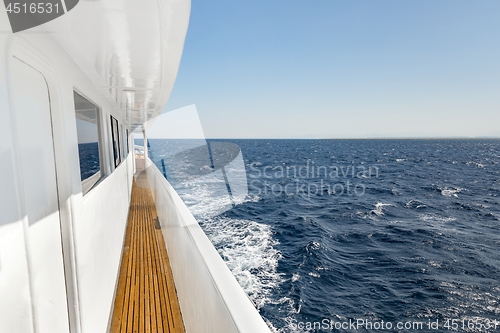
(372, 232)
(89, 159)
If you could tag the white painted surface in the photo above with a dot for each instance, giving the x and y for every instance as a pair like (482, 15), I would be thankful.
(139, 164)
(99, 235)
(15, 302)
(15, 297)
(97, 49)
(127, 48)
(39, 200)
(211, 299)
(95, 270)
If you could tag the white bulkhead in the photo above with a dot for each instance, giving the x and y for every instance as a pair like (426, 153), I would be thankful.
(61, 241)
(108, 66)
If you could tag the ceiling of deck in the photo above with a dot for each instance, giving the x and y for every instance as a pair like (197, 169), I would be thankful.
(130, 49)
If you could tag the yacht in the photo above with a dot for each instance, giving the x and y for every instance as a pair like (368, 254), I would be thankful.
(93, 238)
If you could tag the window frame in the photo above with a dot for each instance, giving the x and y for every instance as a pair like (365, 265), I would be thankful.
(90, 182)
(124, 142)
(127, 136)
(116, 150)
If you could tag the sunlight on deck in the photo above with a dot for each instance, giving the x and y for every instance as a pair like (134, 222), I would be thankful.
(146, 299)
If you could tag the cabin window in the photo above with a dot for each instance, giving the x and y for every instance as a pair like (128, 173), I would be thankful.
(87, 126)
(124, 142)
(127, 141)
(116, 140)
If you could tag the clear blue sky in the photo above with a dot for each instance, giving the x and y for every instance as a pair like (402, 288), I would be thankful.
(342, 68)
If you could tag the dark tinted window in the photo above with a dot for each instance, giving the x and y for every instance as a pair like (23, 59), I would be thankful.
(116, 140)
(127, 140)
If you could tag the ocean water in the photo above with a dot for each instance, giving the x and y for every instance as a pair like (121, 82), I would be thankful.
(89, 159)
(367, 231)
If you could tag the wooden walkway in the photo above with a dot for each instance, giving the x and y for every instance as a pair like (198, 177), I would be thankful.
(146, 300)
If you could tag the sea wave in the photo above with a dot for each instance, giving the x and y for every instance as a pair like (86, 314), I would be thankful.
(421, 242)
(248, 248)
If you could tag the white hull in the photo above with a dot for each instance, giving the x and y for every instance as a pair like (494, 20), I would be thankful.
(61, 243)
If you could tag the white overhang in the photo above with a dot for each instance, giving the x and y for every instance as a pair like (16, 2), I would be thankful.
(129, 49)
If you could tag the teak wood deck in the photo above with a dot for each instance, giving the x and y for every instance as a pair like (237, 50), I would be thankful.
(146, 299)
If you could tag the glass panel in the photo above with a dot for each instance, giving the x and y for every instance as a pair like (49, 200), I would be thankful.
(88, 136)
(127, 140)
(116, 140)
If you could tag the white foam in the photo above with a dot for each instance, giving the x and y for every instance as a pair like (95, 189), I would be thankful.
(247, 247)
(479, 165)
(435, 264)
(451, 192)
(379, 208)
(415, 204)
(436, 218)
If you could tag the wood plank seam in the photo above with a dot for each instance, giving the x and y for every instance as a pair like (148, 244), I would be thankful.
(146, 299)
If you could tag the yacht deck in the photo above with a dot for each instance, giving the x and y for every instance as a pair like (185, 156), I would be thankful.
(146, 299)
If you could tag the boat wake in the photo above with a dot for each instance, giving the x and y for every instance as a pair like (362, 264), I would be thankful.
(248, 249)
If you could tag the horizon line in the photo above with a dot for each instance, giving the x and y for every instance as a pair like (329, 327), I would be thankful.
(345, 138)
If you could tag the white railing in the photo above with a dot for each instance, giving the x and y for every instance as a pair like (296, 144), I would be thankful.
(211, 299)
